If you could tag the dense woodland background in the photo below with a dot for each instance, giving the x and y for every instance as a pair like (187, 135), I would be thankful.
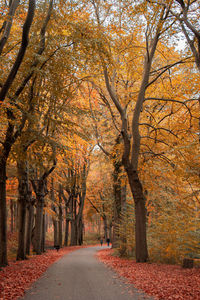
(99, 131)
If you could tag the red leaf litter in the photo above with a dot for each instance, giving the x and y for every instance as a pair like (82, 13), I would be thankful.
(19, 275)
(164, 282)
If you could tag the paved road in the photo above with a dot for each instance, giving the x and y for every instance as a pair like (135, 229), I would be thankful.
(80, 276)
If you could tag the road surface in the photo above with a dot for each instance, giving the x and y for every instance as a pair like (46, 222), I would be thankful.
(81, 276)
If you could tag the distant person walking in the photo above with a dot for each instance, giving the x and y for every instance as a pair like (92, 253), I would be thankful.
(101, 242)
(108, 241)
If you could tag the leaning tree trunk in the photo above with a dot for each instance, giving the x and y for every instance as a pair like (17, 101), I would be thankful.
(3, 213)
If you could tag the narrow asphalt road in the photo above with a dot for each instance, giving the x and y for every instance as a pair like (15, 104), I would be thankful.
(80, 276)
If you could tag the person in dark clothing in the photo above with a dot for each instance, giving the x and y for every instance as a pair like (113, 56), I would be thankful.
(108, 241)
(101, 242)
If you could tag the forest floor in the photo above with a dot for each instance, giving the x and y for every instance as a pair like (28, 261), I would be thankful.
(162, 281)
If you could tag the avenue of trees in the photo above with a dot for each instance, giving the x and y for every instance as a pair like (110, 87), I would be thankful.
(99, 108)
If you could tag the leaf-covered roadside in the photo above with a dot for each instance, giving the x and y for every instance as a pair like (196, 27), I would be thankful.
(19, 275)
(161, 281)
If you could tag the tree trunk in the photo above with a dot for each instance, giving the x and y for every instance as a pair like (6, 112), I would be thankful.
(15, 216)
(54, 218)
(22, 202)
(66, 231)
(73, 241)
(66, 224)
(55, 223)
(38, 225)
(105, 227)
(60, 218)
(29, 227)
(140, 215)
(80, 232)
(73, 233)
(3, 215)
(123, 234)
(21, 253)
(55, 232)
(43, 233)
(11, 216)
(117, 204)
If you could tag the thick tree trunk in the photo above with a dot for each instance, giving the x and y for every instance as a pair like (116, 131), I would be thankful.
(140, 215)
(29, 227)
(3, 215)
